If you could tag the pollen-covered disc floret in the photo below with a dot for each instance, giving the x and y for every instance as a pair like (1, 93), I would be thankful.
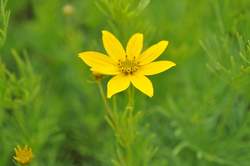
(128, 66)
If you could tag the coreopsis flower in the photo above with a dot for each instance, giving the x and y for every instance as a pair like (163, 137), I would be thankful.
(23, 155)
(130, 66)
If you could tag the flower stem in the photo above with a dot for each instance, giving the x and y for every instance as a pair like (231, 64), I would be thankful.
(104, 98)
(19, 119)
(103, 95)
(130, 105)
(123, 124)
(114, 103)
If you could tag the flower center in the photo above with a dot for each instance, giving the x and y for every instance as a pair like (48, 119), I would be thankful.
(128, 66)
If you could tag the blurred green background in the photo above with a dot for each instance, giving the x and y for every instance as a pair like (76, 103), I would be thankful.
(199, 115)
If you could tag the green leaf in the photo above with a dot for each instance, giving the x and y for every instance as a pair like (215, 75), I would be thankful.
(142, 5)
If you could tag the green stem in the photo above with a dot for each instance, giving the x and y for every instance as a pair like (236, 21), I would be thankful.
(129, 114)
(114, 103)
(23, 164)
(130, 155)
(104, 98)
(121, 123)
(103, 95)
(19, 120)
(130, 105)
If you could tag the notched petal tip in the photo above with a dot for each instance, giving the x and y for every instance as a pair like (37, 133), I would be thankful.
(82, 55)
(79, 54)
(151, 94)
(172, 64)
(139, 34)
(109, 96)
(105, 32)
(165, 43)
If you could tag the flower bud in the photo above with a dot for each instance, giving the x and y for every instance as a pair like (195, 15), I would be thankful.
(68, 10)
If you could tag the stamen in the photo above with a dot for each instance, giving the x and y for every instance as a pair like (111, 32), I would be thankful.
(128, 66)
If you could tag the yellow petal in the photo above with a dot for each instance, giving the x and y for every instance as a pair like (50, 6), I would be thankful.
(112, 46)
(143, 84)
(153, 52)
(117, 84)
(156, 67)
(135, 45)
(99, 62)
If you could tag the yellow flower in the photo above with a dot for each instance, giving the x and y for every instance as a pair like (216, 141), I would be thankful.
(23, 155)
(130, 66)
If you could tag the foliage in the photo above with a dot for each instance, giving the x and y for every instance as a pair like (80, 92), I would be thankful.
(199, 115)
(5, 15)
